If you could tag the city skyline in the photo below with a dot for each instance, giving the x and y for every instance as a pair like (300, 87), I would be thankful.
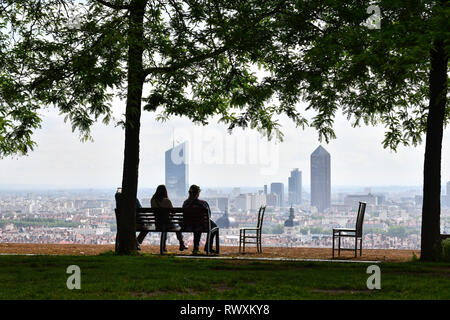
(60, 160)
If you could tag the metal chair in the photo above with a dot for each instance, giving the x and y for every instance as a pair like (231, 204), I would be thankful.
(351, 233)
(255, 237)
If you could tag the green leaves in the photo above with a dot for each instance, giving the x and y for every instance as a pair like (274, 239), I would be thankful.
(327, 58)
(200, 60)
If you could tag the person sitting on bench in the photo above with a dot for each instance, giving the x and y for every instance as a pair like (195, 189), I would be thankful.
(194, 202)
(161, 200)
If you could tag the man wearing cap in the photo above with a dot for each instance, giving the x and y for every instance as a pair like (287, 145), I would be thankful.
(194, 202)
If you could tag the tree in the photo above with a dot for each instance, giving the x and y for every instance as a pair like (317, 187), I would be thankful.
(395, 75)
(193, 56)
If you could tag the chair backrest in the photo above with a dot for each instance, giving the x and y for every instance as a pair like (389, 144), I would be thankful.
(261, 217)
(360, 219)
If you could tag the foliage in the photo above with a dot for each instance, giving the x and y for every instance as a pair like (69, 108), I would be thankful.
(37, 222)
(334, 62)
(277, 229)
(401, 231)
(195, 55)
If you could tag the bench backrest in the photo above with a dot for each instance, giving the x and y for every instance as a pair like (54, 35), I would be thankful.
(198, 217)
(360, 219)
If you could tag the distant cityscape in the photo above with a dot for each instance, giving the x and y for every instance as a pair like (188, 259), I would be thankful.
(294, 216)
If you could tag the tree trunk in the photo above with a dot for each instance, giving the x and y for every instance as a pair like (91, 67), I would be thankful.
(431, 209)
(126, 221)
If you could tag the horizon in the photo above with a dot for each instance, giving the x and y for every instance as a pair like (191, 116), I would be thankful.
(357, 156)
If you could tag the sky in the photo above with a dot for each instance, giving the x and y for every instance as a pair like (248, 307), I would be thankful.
(217, 159)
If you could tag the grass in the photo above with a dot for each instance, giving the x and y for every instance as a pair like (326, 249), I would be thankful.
(152, 277)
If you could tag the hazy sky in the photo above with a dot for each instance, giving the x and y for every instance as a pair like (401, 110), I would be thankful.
(357, 156)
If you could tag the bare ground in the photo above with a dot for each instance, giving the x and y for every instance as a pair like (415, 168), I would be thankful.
(268, 252)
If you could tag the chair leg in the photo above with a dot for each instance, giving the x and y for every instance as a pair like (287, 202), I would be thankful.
(208, 237)
(339, 245)
(260, 241)
(360, 247)
(217, 242)
(333, 247)
(356, 247)
(243, 241)
(240, 240)
(257, 242)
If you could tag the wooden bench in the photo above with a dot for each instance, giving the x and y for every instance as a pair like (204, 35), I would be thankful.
(163, 220)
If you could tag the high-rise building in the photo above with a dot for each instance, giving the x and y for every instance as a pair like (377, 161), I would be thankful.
(243, 202)
(320, 179)
(177, 178)
(295, 187)
(278, 189)
(272, 199)
(447, 195)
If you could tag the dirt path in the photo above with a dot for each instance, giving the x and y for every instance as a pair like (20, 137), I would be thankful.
(268, 252)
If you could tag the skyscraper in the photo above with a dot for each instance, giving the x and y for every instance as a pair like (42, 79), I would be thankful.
(278, 189)
(320, 179)
(448, 189)
(295, 187)
(177, 178)
(447, 195)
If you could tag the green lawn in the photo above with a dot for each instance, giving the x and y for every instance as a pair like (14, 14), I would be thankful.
(154, 277)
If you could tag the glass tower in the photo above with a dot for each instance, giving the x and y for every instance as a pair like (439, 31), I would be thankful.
(295, 187)
(320, 179)
(177, 179)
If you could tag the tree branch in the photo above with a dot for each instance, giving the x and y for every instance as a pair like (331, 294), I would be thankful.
(185, 63)
(113, 5)
(201, 57)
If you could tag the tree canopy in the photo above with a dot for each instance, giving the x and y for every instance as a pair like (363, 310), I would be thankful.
(73, 55)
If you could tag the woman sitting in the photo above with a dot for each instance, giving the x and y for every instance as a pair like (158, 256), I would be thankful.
(161, 200)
